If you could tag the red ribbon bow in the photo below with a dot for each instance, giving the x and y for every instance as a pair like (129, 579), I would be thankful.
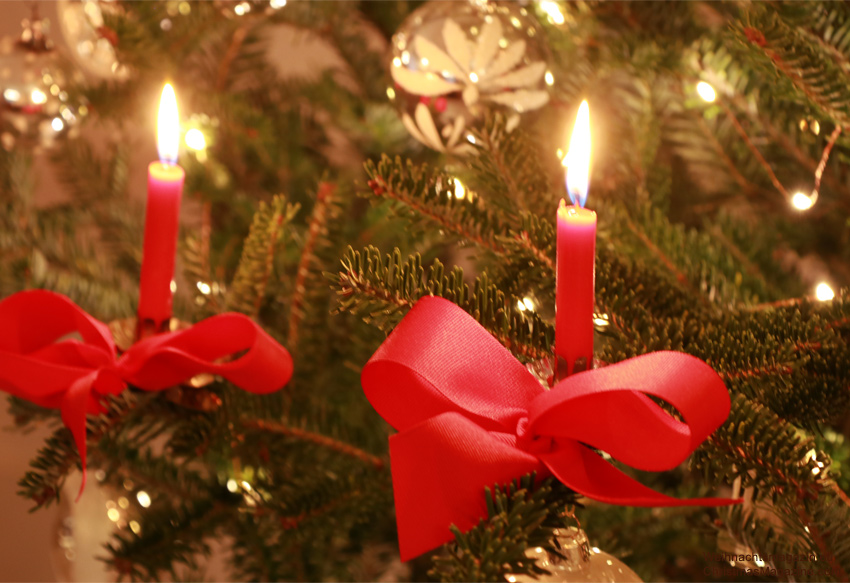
(471, 416)
(38, 365)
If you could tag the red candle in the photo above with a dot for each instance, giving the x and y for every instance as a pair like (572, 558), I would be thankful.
(162, 221)
(576, 259)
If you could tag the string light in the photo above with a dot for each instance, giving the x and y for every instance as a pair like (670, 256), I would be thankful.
(204, 288)
(802, 201)
(706, 91)
(277, 4)
(38, 97)
(232, 486)
(549, 78)
(143, 498)
(195, 139)
(824, 292)
(553, 11)
(460, 189)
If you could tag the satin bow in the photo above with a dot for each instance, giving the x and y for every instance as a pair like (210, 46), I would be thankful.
(469, 415)
(40, 364)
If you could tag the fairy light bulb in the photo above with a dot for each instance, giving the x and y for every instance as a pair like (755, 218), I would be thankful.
(706, 91)
(823, 292)
(802, 201)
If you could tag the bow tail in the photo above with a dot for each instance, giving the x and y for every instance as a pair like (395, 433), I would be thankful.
(580, 468)
(440, 468)
(74, 407)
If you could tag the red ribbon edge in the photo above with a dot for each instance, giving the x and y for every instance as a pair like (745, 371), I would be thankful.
(38, 365)
(470, 415)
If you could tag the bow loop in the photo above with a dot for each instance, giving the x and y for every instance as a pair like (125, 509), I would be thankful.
(471, 416)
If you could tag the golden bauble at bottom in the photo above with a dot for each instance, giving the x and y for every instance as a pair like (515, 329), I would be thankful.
(581, 562)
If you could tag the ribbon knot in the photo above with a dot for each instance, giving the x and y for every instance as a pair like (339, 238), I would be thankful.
(469, 416)
(57, 356)
(533, 444)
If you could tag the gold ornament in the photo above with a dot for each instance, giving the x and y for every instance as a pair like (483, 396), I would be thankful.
(580, 562)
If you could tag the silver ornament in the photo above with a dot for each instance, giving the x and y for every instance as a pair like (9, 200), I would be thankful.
(35, 107)
(453, 60)
(91, 43)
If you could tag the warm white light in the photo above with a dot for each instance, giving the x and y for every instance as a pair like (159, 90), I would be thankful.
(12, 95)
(549, 78)
(460, 190)
(143, 498)
(38, 96)
(195, 139)
(277, 4)
(113, 514)
(706, 91)
(232, 486)
(823, 292)
(135, 527)
(529, 303)
(473, 77)
(57, 124)
(758, 561)
(802, 202)
(204, 288)
(577, 159)
(553, 11)
(391, 93)
(520, 306)
(168, 126)
(173, 286)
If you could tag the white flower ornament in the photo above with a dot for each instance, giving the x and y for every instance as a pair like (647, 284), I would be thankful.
(481, 69)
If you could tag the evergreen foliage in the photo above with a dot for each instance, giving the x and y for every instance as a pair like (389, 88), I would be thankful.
(696, 252)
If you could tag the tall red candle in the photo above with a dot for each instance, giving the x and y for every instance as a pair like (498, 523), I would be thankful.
(162, 222)
(576, 257)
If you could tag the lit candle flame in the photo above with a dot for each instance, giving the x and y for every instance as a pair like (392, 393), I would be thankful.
(577, 159)
(168, 127)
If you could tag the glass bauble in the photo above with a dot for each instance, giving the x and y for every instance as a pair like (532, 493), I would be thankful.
(35, 106)
(580, 562)
(453, 60)
(91, 43)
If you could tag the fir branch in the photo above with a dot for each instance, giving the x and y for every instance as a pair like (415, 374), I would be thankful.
(248, 289)
(519, 517)
(508, 165)
(756, 445)
(381, 288)
(43, 484)
(316, 228)
(430, 197)
(318, 439)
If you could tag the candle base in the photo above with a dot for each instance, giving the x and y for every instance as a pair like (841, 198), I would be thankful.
(128, 331)
(561, 369)
(147, 327)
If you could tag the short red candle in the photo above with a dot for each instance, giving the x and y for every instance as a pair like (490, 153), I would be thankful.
(162, 222)
(575, 285)
(576, 258)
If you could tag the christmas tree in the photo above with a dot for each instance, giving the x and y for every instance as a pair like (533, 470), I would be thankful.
(427, 158)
